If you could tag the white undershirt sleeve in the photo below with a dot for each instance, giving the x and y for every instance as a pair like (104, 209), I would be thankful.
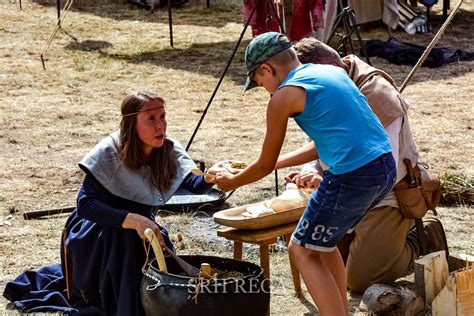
(393, 131)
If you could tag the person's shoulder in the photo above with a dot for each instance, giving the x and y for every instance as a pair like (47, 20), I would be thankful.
(358, 67)
(288, 93)
(290, 98)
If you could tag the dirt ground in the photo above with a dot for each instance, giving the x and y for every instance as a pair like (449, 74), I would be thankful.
(51, 118)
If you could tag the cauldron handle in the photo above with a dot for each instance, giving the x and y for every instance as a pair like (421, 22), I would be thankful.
(150, 235)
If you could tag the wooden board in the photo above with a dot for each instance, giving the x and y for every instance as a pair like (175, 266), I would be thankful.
(445, 302)
(465, 292)
(233, 218)
(263, 236)
(459, 261)
(457, 297)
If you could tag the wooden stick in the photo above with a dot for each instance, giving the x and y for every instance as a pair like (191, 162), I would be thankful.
(150, 235)
(54, 211)
(430, 46)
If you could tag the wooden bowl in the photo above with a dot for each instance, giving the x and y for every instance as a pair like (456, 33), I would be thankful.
(233, 217)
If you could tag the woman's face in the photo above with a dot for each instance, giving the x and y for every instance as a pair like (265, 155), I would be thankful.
(151, 125)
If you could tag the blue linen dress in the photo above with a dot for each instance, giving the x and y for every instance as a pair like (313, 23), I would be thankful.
(100, 261)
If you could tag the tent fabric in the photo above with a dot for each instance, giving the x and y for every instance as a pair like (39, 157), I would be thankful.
(329, 18)
(402, 53)
(264, 19)
(307, 17)
(375, 10)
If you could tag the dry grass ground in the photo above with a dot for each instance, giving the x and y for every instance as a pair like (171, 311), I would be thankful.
(50, 119)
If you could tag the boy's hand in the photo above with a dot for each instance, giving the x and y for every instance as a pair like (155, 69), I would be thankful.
(308, 180)
(305, 179)
(224, 181)
(232, 166)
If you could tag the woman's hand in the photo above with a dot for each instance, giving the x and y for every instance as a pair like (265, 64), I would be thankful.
(140, 223)
(224, 181)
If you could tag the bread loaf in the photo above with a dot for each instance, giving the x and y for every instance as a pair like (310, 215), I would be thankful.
(257, 210)
(291, 198)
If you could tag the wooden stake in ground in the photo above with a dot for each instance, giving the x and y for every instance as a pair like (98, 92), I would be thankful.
(431, 274)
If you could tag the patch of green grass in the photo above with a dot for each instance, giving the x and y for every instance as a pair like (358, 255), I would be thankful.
(457, 189)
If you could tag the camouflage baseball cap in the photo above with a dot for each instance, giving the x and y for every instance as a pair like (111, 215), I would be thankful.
(260, 49)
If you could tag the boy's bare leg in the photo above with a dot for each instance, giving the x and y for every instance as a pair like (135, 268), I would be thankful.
(320, 282)
(334, 263)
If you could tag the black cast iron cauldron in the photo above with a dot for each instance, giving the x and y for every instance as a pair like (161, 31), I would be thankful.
(172, 294)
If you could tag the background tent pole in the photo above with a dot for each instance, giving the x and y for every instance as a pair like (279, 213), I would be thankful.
(222, 77)
(170, 22)
(225, 72)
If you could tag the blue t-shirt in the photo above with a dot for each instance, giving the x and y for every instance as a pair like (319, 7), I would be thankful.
(337, 117)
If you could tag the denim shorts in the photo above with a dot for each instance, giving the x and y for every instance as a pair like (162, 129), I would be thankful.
(341, 201)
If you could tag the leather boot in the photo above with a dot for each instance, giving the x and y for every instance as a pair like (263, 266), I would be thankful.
(434, 236)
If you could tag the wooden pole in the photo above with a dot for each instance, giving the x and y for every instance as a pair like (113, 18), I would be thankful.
(430, 46)
(54, 211)
(170, 22)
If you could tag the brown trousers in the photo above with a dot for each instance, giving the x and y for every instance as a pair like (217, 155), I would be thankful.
(377, 251)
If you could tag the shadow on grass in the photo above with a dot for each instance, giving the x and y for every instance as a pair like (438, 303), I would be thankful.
(353, 302)
(88, 45)
(211, 58)
(206, 58)
(187, 14)
(10, 306)
(312, 310)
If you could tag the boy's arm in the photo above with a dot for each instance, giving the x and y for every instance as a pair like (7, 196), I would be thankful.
(298, 157)
(281, 106)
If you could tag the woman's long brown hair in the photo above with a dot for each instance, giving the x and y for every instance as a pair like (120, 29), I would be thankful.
(162, 163)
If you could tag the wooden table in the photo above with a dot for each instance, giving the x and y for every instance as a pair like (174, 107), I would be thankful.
(263, 238)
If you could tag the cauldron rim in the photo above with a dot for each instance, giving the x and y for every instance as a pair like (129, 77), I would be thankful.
(152, 266)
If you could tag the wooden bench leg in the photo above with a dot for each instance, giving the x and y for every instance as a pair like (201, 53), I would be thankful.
(295, 275)
(237, 250)
(265, 260)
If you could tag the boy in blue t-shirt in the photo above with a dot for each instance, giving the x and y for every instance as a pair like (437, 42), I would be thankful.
(348, 139)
